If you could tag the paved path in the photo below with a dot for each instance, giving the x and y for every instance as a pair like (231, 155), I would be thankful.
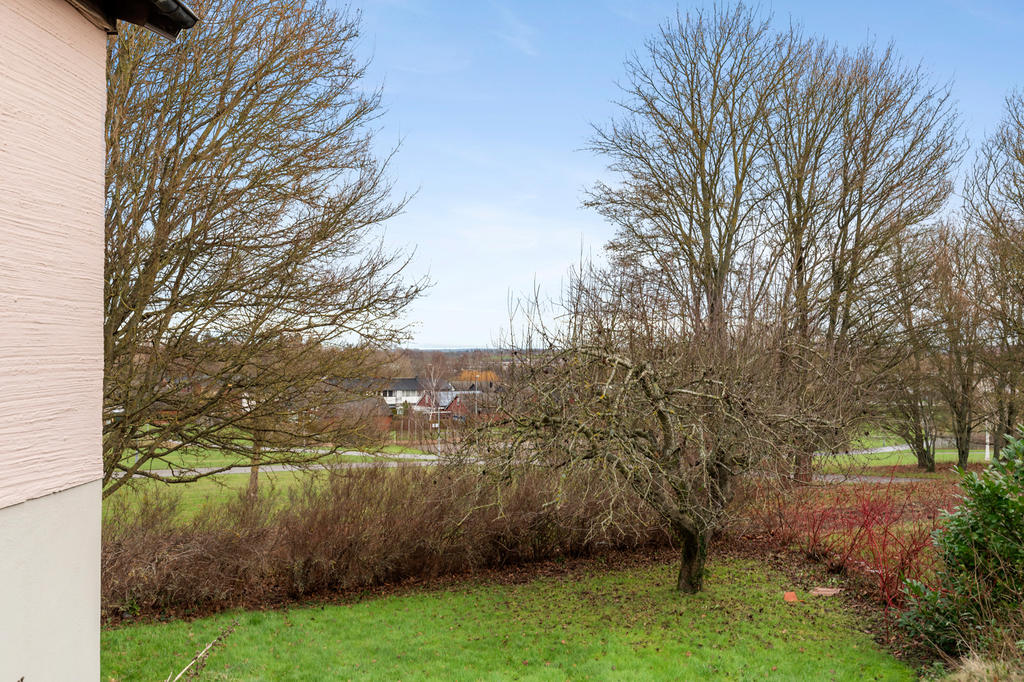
(869, 451)
(857, 478)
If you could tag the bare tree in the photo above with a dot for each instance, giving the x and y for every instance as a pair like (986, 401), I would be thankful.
(690, 149)
(1003, 354)
(861, 151)
(899, 147)
(958, 327)
(242, 272)
(764, 182)
(994, 201)
(673, 368)
(908, 387)
(622, 384)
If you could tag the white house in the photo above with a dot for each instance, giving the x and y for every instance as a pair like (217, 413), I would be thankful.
(52, 104)
(410, 390)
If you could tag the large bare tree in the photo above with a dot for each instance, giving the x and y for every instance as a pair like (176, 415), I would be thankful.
(994, 202)
(908, 386)
(621, 383)
(862, 150)
(959, 327)
(689, 147)
(244, 281)
(667, 367)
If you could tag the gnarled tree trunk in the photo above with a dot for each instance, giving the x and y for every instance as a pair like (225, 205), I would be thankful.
(691, 565)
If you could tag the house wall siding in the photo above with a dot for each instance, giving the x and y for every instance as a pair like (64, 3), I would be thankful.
(52, 102)
(50, 587)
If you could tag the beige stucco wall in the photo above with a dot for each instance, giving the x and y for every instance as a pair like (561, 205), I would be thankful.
(52, 99)
(50, 587)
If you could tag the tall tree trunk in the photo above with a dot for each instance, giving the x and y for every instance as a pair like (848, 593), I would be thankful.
(254, 468)
(691, 565)
(963, 446)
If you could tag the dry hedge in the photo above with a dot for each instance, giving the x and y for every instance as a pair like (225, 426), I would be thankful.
(364, 528)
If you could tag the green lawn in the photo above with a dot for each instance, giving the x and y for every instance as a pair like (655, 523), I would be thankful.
(217, 489)
(207, 457)
(402, 449)
(944, 459)
(194, 457)
(621, 625)
(875, 439)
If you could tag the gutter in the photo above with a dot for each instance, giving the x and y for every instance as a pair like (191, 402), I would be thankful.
(164, 17)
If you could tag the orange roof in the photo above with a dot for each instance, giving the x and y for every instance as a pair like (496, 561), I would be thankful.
(478, 376)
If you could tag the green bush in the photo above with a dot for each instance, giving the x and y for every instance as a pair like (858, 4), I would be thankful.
(977, 599)
(937, 617)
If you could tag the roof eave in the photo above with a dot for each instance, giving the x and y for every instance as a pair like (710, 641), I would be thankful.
(164, 17)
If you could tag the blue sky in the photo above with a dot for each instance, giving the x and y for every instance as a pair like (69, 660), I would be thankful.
(493, 101)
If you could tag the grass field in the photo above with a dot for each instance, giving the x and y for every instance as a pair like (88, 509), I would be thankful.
(874, 439)
(945, 461)
(191, 497)
(625, 624)
(206, 457)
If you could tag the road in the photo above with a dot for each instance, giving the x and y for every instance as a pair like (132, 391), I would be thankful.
(859, 478)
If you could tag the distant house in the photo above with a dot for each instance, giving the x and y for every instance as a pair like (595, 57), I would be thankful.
(53, 56)
(410, 390)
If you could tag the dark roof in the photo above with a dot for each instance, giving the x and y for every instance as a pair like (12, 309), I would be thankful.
(405, 384)
(165, 17)
(357, 384)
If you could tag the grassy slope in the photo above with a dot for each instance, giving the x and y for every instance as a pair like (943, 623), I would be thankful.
(623, 625)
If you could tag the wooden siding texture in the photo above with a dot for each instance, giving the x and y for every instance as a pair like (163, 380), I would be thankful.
(52, 100)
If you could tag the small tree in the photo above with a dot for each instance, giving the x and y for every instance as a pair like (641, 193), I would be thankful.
(244, 286)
